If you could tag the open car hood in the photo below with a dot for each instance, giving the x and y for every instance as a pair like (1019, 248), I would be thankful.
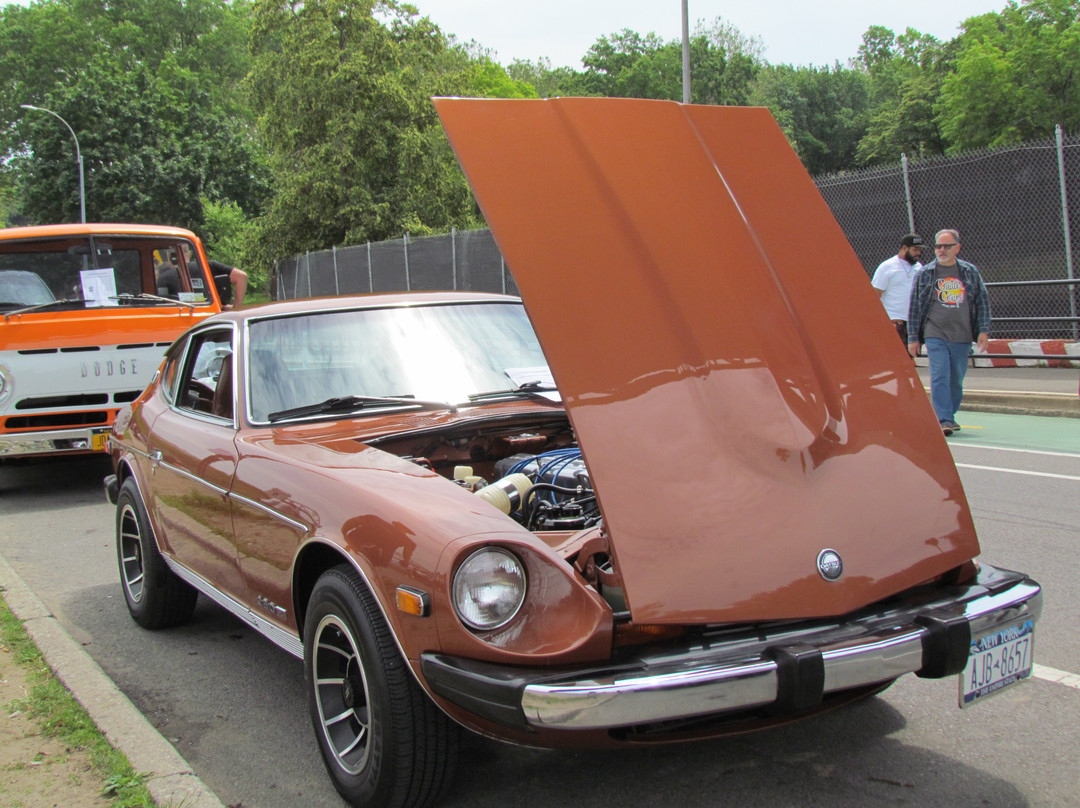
(740, 398)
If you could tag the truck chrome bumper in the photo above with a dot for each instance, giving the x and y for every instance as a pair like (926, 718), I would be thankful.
(787, 668)
(56, 441)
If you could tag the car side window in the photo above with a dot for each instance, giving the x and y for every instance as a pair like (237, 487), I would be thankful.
(170, 372)
(206, 382)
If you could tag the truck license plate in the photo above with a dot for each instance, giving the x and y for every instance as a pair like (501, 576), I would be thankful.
(998, 660)
(99, 441)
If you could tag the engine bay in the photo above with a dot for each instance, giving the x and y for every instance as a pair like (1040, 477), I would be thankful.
(534, 473)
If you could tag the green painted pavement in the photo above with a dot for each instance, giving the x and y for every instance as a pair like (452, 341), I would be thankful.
(1031, 432)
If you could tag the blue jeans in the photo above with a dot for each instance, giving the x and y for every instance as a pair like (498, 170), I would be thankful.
(948, 364)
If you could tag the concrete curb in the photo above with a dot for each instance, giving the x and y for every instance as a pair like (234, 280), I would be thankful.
(171, 780)
(1065, 405)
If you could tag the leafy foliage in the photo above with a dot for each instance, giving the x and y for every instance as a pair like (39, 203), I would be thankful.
(1016, 75)
(152, 89)
(343, 101)
(821, 110)
(906, 73)
(276, 126)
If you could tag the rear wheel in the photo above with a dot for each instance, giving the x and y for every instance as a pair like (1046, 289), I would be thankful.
(155, 596)
(382, 739)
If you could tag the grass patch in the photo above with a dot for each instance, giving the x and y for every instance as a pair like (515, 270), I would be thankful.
(59, 715)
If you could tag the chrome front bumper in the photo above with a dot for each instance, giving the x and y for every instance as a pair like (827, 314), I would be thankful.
(785, 668)
(54, 441)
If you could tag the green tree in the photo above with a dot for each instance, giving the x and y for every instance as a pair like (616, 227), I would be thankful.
(343, 100)
(906, 73)
(1016, 75)
(151, 150)
(723, 64)
(821, 110)
(547, 81)
(152, 89)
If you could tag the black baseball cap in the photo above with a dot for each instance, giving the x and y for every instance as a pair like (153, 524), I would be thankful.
(912, 240)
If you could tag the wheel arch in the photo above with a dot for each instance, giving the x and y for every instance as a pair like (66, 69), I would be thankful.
(315, 558)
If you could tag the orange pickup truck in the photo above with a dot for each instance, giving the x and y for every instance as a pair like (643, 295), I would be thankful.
(86, 313)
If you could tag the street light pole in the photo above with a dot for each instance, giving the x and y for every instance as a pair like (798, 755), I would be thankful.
(685, 53)
(78, 157)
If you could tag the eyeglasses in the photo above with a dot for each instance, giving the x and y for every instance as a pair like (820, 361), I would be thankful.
(945, 246)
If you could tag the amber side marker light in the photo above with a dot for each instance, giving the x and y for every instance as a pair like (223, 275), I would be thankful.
(637, 633)
(413, 601)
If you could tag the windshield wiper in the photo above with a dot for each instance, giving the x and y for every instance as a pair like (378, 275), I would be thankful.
(526, 388)
(129, 299)
(61, 302)
(353, 403)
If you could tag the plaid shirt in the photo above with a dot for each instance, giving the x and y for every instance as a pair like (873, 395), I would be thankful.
(922, 296)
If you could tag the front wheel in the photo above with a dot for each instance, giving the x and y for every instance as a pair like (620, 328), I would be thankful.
(156, 597)
(383, 741)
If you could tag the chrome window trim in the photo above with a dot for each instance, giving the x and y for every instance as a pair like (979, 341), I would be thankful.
(189, 337)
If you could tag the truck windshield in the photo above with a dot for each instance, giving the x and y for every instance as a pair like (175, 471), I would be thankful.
(103, 271)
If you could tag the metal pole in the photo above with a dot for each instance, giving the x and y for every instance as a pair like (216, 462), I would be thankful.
(1060, 137)
(408, 280)
(370, 277)
(337, 284)
(685, 53)
(453, 257)
(78, 159)
(907, 194)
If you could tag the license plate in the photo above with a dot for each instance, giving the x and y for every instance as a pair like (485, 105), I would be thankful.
(99, 441)
(998, 659)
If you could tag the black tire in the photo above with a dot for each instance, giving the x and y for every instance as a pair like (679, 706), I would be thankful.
(383, 741)
(155, 596)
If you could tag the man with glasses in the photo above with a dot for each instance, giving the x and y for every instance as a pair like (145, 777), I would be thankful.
(893, 279)
(949, 309)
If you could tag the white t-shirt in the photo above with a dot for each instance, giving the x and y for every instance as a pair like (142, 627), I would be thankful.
(894, 277)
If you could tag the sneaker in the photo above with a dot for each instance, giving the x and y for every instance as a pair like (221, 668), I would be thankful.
(955, 426)
(947, 428)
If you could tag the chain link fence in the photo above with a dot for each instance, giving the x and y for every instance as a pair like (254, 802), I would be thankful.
(1010, 205)
(465, 260)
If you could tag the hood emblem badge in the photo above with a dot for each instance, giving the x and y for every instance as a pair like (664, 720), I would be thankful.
(830, 565)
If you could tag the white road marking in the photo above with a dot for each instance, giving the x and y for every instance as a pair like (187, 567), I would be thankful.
(1055, 676)
(1019, 471)
(953, 445)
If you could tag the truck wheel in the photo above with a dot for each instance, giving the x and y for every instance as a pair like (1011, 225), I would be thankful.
(155, 596)
(383, 741)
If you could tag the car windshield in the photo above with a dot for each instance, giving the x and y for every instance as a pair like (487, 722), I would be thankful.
(431, 353)
(76, 272)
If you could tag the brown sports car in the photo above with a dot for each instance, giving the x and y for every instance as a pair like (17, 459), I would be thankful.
(693, 486)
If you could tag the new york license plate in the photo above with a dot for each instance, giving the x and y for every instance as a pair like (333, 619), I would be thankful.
(998, 659)
(99, 441)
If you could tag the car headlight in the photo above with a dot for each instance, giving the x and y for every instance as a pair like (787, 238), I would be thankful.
(489, 588)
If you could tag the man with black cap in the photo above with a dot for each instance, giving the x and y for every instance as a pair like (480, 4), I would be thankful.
(893, 279)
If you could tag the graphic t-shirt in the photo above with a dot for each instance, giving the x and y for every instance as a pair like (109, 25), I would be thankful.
(950, 308)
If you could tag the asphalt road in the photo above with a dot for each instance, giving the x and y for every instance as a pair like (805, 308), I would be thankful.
(232, 703)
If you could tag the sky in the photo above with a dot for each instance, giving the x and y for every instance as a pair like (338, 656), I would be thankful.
(797, 32)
